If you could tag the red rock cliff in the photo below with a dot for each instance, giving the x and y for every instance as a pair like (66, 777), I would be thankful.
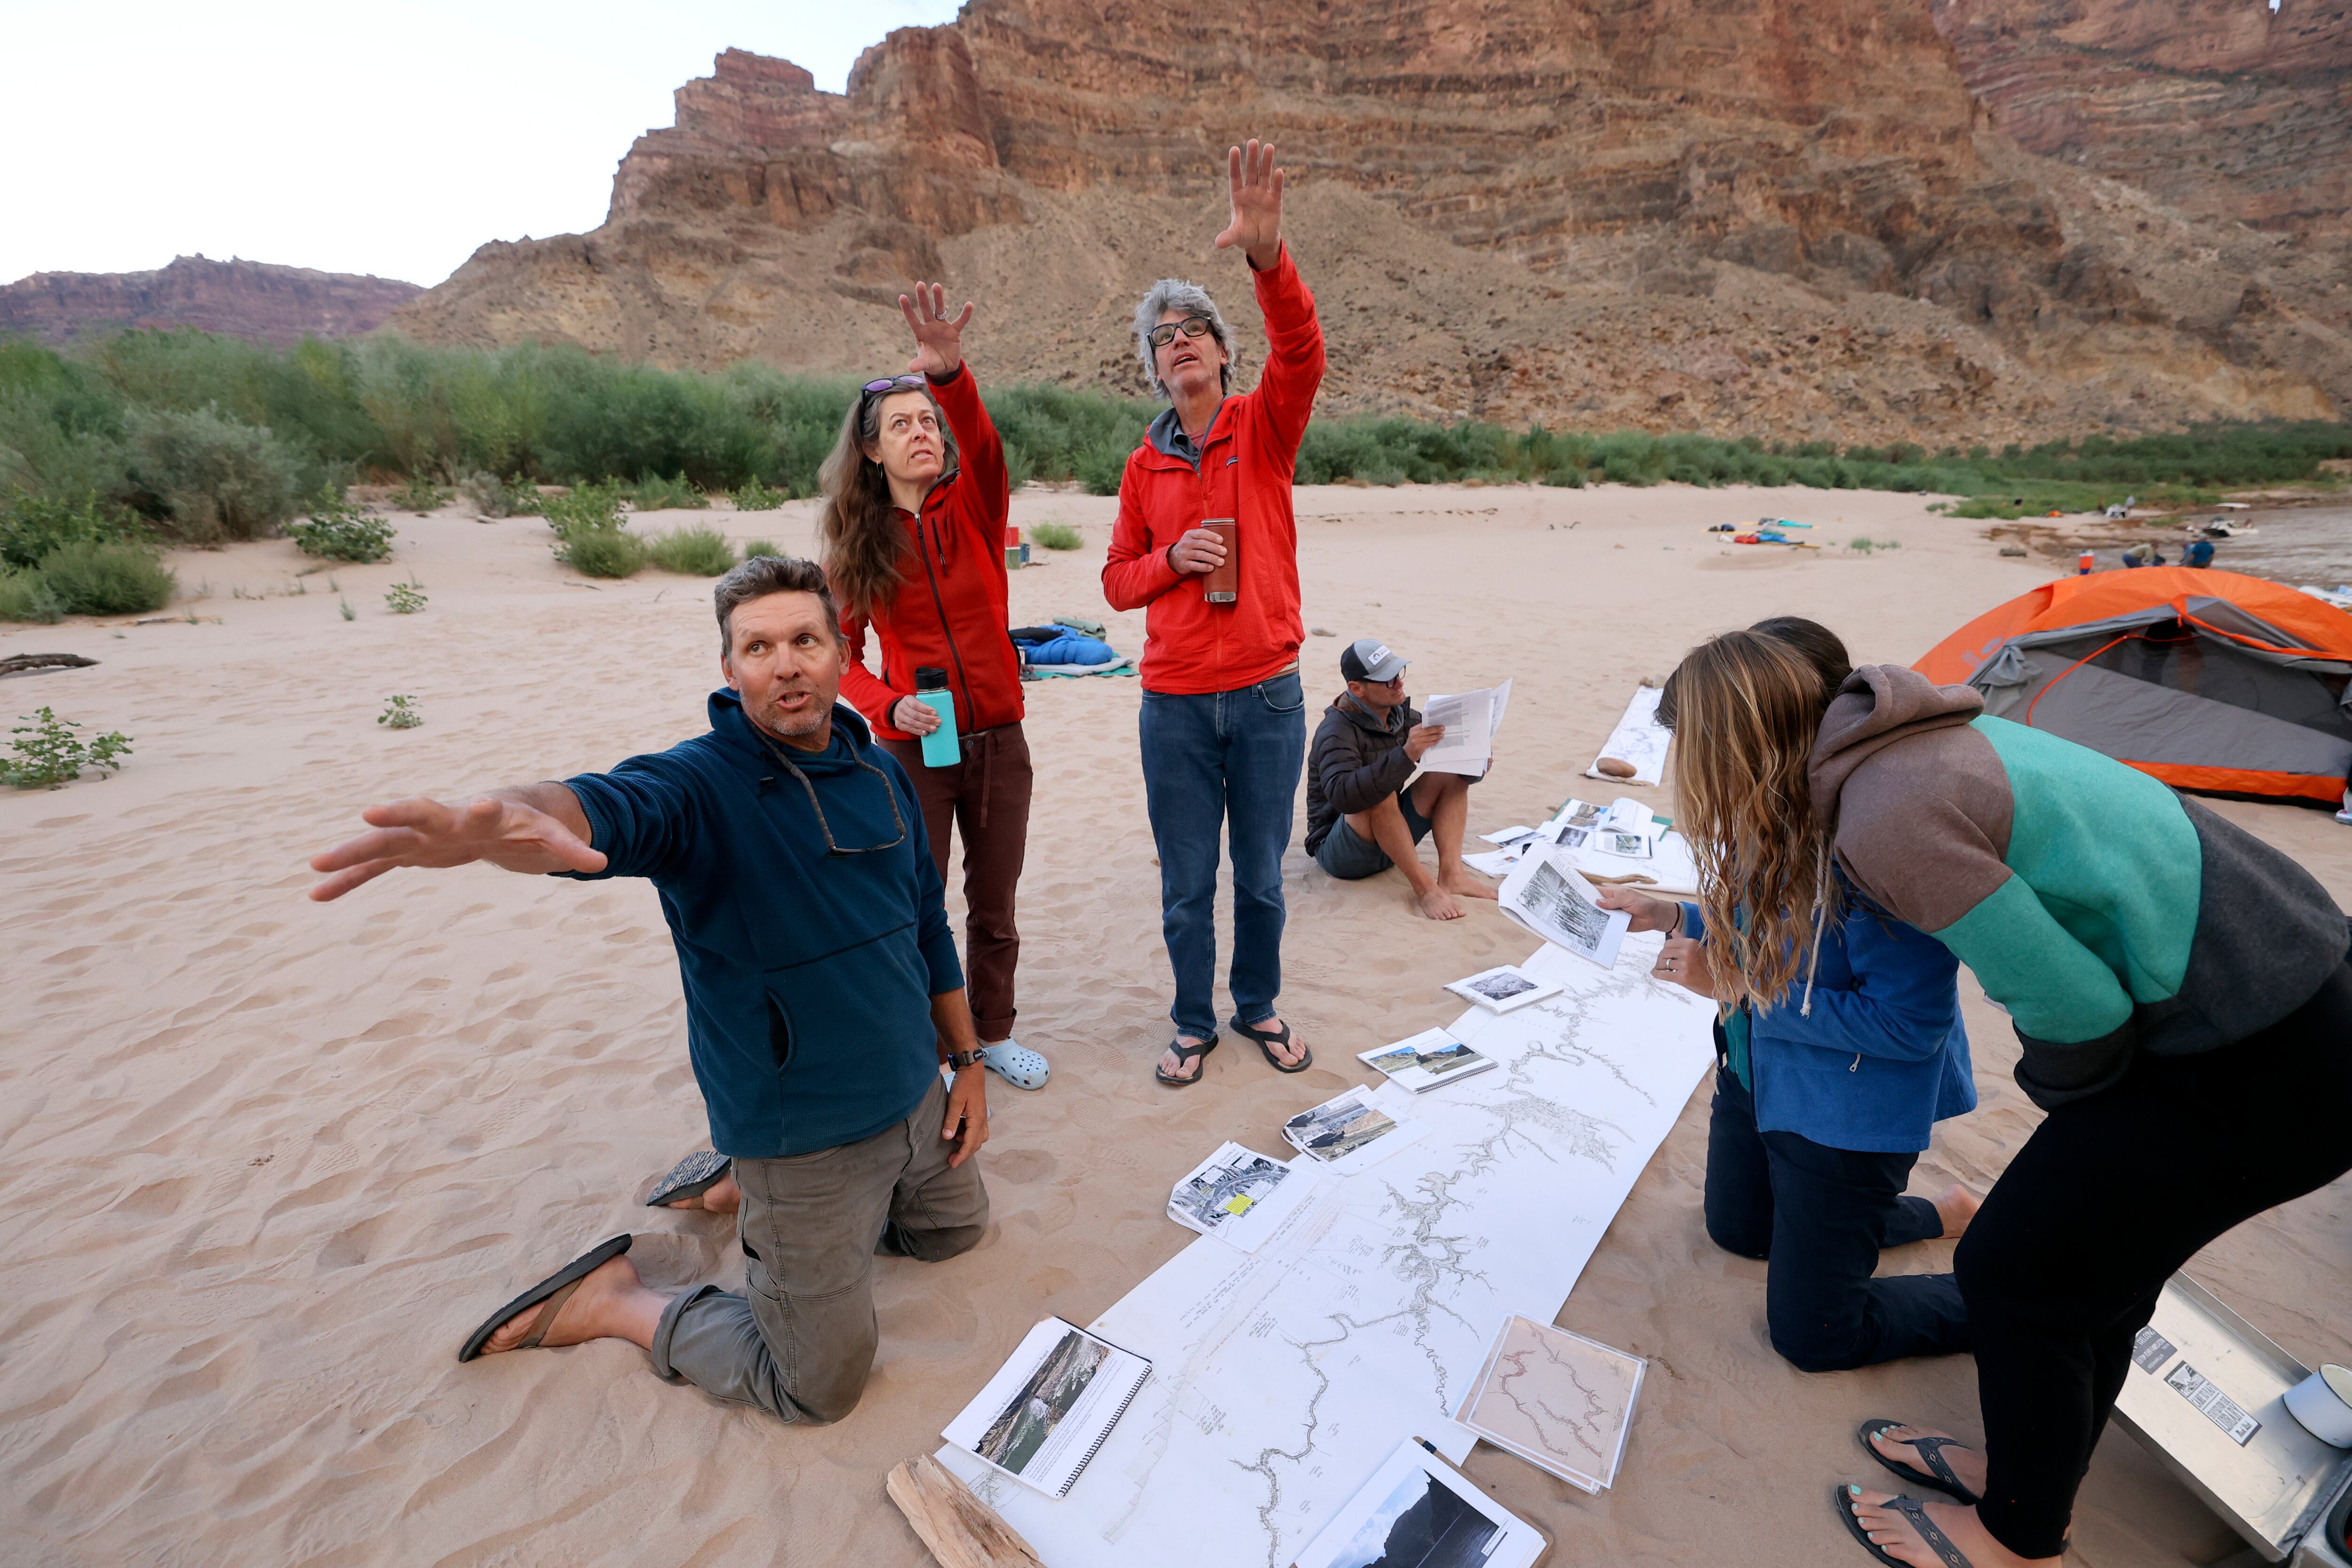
(242, 299)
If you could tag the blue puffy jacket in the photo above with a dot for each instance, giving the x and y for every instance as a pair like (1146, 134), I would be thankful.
(1883, 1055)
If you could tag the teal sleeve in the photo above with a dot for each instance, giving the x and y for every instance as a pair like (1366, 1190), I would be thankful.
(2056, 988)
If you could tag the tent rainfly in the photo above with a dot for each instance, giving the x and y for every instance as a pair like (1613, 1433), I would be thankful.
(2207, 680)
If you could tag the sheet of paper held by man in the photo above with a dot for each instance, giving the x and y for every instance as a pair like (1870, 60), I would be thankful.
(1546, 894)
(1471, 720)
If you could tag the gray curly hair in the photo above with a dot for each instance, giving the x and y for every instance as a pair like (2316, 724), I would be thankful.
(1191, 299)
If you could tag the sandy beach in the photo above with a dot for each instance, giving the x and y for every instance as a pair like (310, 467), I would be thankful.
(266, 1161)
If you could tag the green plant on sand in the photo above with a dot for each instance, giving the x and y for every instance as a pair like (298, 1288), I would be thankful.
(654, 493)
(27, 596)
(1056, 536)
(755, 548)
(495, 497)
(405, 598)
(695, 551)
(590, 535)
(50, 755)
(420, 495)
(341, 529)
(400, 713)
(107, 579)
(753, 496)
(349, 613)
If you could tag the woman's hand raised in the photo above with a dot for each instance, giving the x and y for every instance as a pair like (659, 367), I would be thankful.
(938, 339)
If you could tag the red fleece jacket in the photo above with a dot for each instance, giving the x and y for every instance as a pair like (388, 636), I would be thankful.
(949, 610)
(1246, 459)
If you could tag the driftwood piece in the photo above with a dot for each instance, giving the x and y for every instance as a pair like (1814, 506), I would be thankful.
(961, 1531)
(26, 663)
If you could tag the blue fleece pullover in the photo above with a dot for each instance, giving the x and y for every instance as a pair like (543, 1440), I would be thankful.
(1883, 1057)
(808, 975)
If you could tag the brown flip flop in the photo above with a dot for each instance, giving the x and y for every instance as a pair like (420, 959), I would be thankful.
(554, 1291)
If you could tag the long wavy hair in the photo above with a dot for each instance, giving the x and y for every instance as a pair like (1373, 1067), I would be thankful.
(857, 532)
(1744, 708)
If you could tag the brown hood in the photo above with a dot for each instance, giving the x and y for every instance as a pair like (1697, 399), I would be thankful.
(1878, 705)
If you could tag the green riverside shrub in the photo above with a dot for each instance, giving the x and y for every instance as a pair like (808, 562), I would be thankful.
(33, 525)
(753, 496)
(1056, 536)
(107, 579)
(338, 529)
(602, 552)
(48, 754)
(215, 479)
(26, 596)
(696, 551)
(755, 548)
(654, 493)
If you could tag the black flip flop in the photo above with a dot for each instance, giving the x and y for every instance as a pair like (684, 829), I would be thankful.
(1266, 1043)
(554, 1291)
(1938, 1474)
(1185, 1057)
(1915, 1513)
(690, 1178)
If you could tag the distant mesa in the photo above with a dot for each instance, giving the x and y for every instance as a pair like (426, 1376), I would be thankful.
(238, 298)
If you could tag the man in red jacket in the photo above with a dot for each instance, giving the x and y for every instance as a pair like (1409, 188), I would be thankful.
(1223, 725)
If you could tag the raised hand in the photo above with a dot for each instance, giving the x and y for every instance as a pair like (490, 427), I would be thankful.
(421, 831)
(1256, 190)
(939, 340)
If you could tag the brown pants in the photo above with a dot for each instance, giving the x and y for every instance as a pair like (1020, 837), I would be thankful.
(986, 796)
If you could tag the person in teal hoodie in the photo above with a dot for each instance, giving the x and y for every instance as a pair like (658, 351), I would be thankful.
(2183, 1002)
(1822, 1107)
(823, 998)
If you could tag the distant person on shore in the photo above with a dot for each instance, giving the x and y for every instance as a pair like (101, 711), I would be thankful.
(1365, 810)
(913, 527)
(823, 997)
(2154, 959)
(1821, 1109)
(1223, 725)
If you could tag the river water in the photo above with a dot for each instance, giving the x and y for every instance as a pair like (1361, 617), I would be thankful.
(2297, 545)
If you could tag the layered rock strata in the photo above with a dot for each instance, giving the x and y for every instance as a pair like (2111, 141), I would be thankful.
(243, 299)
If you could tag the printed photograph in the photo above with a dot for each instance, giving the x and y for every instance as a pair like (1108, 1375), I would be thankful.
(1503, 985)
(1633, 844)
(1226, 1191)
(1421, 1525)
(1436, 1061)
(1550, 901)
(1335, 1131)
(1030, 1416)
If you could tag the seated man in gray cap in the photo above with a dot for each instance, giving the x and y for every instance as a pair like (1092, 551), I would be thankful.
(1362, 817)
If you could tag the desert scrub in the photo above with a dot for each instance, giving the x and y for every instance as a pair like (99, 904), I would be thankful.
(420, 495)
(211, 477)
(590, 535)
(400, 713)
(654, 493)
(33, 525)
(27, 596)
(1056, 536)
(695, 551)
(753, 496)
(340, 529)
(113, 579)
(405, 598)
(755, 548)
(495, 497)
(48, 754)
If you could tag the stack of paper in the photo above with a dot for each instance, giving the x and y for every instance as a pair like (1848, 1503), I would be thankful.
(1048, 1410)
(1470, 720)
(1238, 1195)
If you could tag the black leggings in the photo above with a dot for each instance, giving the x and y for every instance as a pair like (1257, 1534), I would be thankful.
(2108, 1198)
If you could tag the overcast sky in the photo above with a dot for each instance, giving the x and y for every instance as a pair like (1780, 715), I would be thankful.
(384, 139)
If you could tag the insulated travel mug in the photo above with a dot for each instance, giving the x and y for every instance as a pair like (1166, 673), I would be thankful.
(1225, 583)
(940, 748)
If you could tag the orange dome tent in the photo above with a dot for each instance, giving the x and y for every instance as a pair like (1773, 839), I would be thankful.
(2209, 680)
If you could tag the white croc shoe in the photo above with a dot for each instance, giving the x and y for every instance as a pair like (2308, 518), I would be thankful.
(1016, 1064)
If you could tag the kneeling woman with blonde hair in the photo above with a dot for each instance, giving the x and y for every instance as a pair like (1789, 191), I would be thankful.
(2152, 956)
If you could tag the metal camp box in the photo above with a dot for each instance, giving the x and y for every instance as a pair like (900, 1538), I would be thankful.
(2205, 1394)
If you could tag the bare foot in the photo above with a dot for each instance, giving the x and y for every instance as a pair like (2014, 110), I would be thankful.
(1437, 903)
(1895, 1535)
(1175, 1066)
(721, 1196)
(1466, 882)
(1968, 1464)
(1956, 1205)
(611, 1303)
(1289, 1056)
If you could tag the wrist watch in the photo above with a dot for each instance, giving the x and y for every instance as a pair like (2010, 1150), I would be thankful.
(959, 1060)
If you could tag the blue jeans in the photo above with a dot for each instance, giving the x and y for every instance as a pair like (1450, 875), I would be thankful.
(1822, 1215)
(1229, 760)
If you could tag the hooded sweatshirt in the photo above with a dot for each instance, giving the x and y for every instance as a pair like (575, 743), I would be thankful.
(2107, 914)
(1356, 762)
(808, 975)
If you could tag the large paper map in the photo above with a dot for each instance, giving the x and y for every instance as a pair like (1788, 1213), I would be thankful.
(1282, 1379)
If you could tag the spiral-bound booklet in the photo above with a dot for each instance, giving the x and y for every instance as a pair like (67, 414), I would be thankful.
(1051, 1406)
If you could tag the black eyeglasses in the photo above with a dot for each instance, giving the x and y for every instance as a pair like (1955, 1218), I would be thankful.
(1192, 326)
(831, 847)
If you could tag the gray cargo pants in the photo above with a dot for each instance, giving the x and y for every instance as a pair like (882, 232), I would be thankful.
(800, 1341)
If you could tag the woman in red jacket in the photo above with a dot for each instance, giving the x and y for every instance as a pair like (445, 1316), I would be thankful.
(914, 544)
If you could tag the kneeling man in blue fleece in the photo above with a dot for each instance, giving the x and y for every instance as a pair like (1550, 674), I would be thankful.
(823, 998)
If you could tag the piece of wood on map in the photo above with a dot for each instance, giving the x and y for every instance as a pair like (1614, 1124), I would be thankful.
(1638, 743)
(961, 1531)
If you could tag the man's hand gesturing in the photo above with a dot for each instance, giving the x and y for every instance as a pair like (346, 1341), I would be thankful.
(1256, 189)
(939, 338)
(420, 831)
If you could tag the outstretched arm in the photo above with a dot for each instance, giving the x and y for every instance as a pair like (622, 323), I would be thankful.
(534, 829)
(1255, 186)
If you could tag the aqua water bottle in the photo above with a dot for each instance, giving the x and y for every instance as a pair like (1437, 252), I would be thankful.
(940, 748)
